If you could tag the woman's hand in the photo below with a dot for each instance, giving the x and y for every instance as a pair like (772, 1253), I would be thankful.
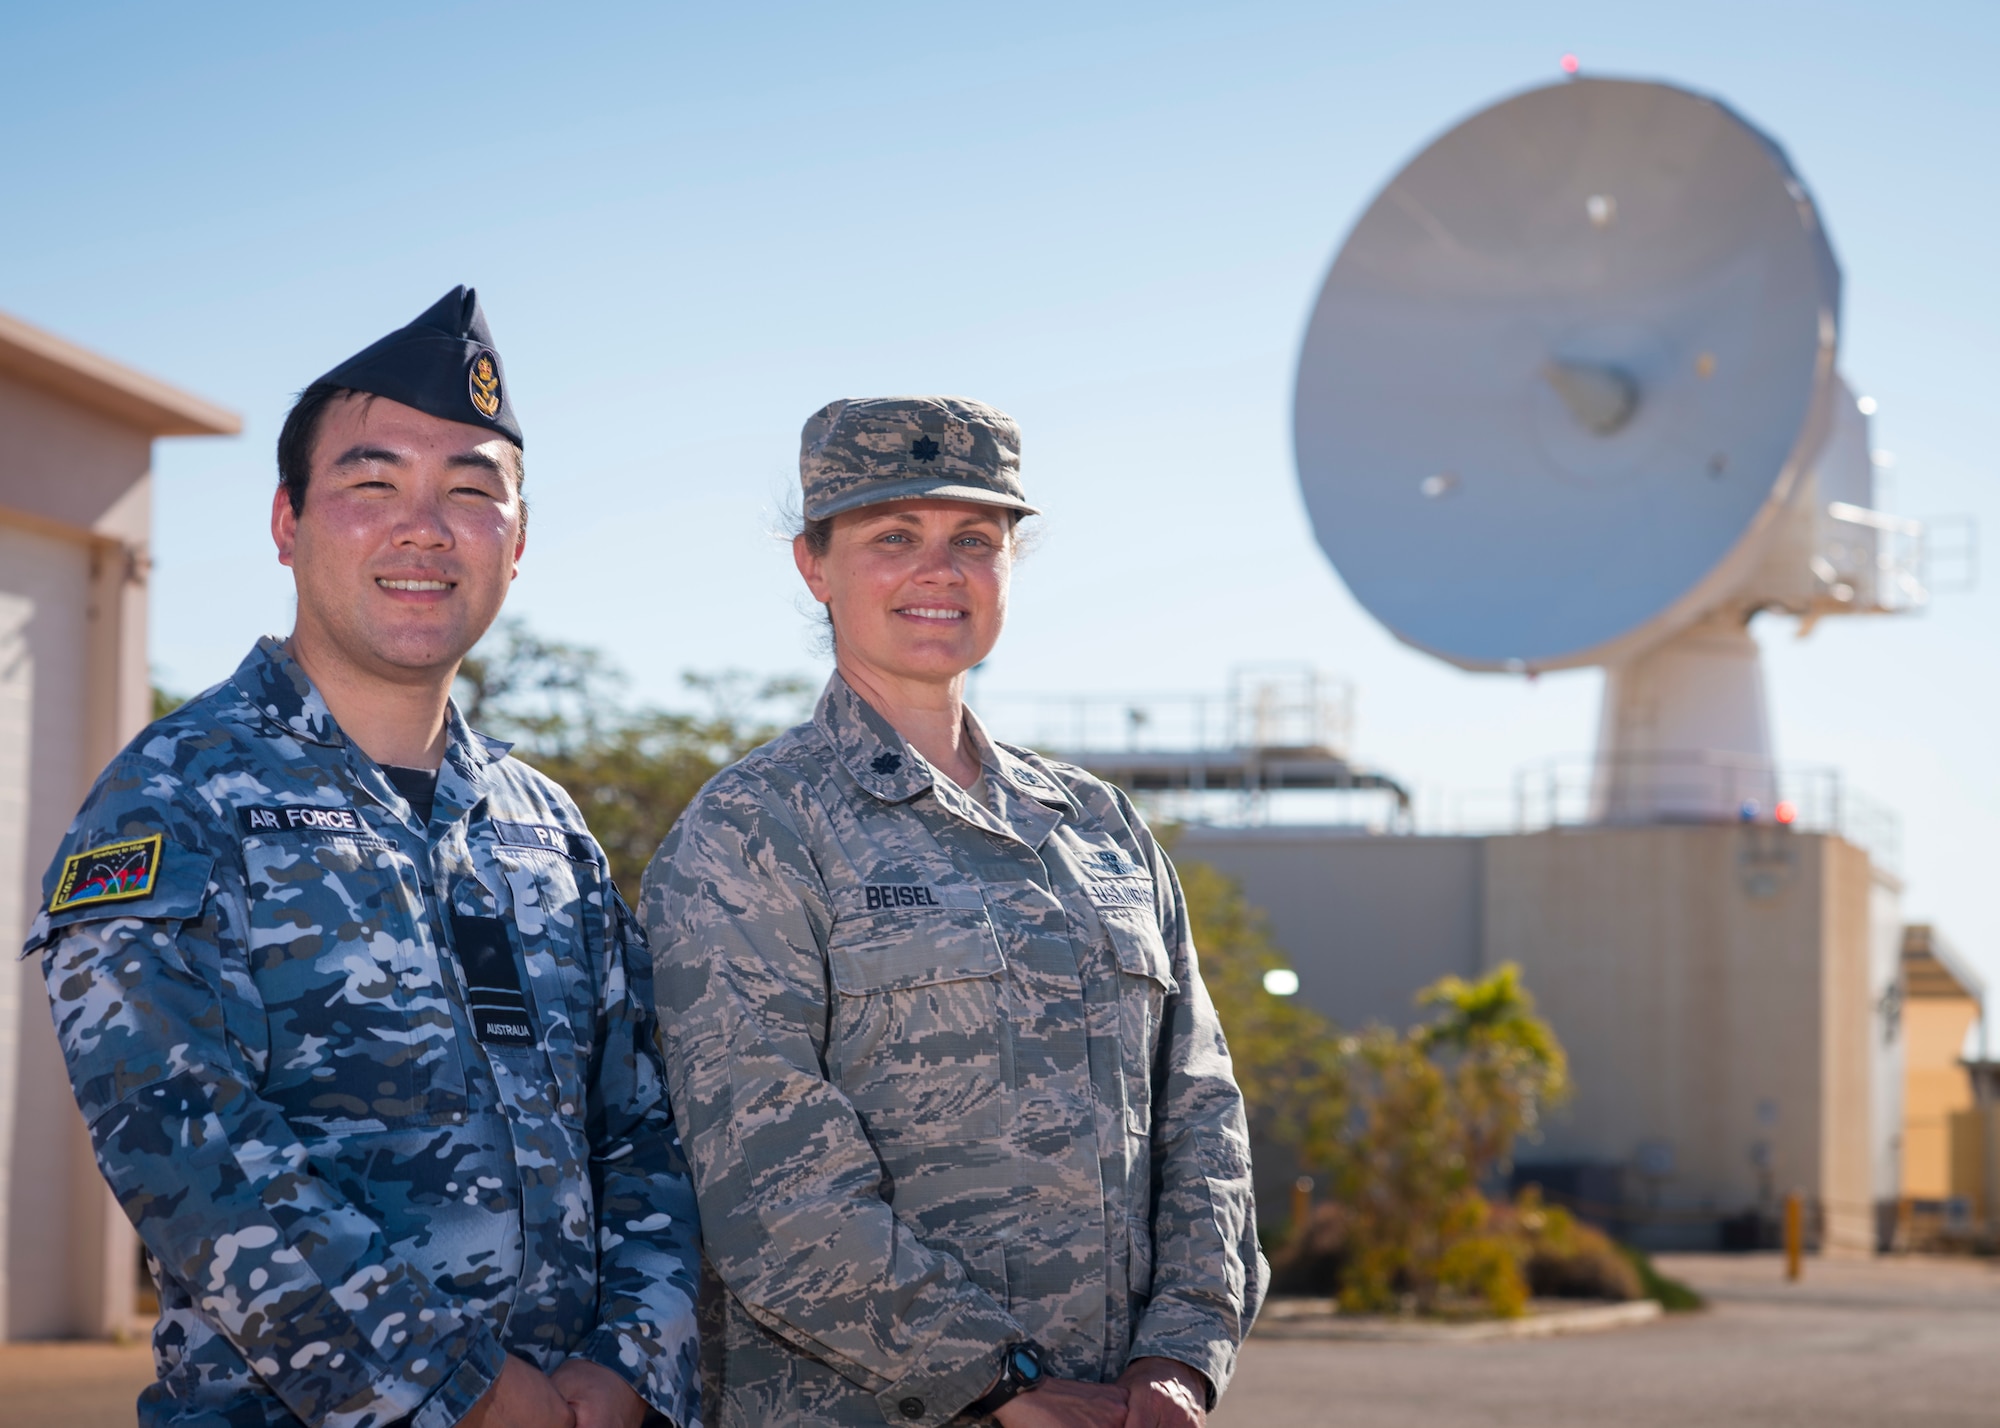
(1163, 1393)
(1065, 1403)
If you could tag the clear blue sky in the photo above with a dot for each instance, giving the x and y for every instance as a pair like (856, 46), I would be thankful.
(691, 226)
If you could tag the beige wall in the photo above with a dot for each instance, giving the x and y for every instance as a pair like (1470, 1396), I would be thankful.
(1936, 1089)
(74, 517)
(1711, 983)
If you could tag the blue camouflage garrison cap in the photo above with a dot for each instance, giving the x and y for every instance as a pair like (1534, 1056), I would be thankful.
(860, 451)
(443, 363)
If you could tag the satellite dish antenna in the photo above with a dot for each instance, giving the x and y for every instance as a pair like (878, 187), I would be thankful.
(1567, 398)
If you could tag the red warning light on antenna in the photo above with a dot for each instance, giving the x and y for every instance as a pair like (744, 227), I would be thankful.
(1570, 64)
(1786, 811)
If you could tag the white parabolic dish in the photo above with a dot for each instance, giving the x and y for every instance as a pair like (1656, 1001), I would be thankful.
(1563, 375)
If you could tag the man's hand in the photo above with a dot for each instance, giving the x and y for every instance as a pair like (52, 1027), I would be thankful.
(599, 1397)
(1065, 1403)
(1164, 1393)
(522, 1397)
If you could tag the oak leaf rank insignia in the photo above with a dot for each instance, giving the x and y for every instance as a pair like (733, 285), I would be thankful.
(111, 872)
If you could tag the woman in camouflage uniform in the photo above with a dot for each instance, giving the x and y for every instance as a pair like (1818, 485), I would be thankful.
(960, 1114)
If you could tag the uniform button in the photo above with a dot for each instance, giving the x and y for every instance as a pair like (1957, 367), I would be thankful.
(568, 1109)
(912, 1407)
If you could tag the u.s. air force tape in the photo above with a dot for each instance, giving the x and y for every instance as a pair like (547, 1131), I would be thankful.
(492, 981)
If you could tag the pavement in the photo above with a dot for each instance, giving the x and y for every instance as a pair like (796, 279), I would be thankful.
(1880, 1343)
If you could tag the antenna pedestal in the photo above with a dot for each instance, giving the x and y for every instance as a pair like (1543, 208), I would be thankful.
(1684, 736)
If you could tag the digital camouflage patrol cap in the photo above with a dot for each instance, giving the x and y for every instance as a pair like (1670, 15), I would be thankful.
(860, 451)
(444, 363)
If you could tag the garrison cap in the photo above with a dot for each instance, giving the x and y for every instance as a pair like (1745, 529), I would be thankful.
(444, 363)
(860, 451)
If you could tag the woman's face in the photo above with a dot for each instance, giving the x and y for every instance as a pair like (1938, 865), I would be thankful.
(917, 589)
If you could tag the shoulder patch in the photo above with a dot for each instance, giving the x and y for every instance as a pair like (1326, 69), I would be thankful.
(111, 872)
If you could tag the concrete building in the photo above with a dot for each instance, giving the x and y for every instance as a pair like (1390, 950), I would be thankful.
(1720, 990)
(76, 438)
(1941, 999)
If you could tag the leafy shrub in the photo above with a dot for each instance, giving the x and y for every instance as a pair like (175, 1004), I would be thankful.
(1674, 1296)
(1314, 1259)
(1404, 1127)
(1564, 1258)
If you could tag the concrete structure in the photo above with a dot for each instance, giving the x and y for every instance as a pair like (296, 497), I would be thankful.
(76, 435)
(1719, 989)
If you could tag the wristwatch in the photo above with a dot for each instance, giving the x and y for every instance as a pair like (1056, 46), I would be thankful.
(1020, 1371)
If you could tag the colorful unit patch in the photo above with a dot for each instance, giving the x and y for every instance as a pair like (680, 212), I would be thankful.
(111, 873)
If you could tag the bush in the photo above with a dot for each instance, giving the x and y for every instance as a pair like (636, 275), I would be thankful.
(1674, 1296)
(1405, 1128)
(1314, 1259)
(1564, 1258)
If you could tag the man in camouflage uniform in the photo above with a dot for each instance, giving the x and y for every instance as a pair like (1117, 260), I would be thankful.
(948, 1077)
(360, 1027)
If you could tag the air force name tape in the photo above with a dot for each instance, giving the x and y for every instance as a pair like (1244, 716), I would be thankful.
(300, 818)
(111, 872)
(878, 897)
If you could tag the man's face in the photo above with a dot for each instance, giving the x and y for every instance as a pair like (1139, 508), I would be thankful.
(410, 535)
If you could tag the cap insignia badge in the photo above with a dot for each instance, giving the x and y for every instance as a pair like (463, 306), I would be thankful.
(484, 383)
(924, 449)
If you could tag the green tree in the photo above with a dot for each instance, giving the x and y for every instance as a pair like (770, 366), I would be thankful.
(1409, 1129)
(631, 771)
(1287, 1057)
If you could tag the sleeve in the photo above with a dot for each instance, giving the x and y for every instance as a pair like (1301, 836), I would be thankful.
(1209, 1276)
(649, 1240)
(161, 1026)
(791, 1189)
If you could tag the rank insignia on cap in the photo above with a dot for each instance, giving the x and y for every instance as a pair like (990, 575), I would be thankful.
(924, 449)
(112, 872)
(484, 381)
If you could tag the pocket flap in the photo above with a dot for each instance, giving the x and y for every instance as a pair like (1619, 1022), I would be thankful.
(1138, 946)
(889, 951)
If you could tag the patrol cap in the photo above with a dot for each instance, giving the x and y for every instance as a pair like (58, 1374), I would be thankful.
(862, 450)
(443, 363)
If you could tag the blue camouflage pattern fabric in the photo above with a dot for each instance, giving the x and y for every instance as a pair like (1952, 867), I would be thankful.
(947, 1078)
(363, 1166)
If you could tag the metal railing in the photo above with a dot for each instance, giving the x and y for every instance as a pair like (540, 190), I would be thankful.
(1264, 707)
(1809, 798)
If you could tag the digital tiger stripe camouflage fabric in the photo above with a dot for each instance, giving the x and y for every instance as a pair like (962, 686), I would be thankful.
(948, 1079)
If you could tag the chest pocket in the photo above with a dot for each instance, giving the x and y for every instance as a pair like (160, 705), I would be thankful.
(554, 917)
(919, 1044)
(1125, 909)
(359, 1020)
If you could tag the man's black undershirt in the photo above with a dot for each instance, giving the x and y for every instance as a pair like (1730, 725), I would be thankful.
(419, 786)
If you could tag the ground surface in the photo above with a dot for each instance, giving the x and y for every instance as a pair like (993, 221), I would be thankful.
(1877, 1343)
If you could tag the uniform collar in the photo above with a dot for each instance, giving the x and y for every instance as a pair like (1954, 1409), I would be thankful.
(278, 689)
(883, 762)
(869, 746)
